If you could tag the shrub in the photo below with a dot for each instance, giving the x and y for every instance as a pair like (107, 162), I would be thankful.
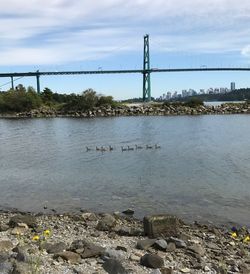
(19, 100)
(194, 102)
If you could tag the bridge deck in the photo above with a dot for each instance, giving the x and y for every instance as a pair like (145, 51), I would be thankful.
(50, 73)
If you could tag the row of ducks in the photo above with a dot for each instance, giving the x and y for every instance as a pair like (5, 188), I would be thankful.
(123, 148)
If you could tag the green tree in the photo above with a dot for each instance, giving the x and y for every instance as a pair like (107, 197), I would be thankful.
(47, 96)
(88, 99)
(105, 101)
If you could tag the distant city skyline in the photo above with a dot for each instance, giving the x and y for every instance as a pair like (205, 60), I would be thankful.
(86, 35)
(192, 92)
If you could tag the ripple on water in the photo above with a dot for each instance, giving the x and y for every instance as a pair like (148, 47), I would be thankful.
(201, 171)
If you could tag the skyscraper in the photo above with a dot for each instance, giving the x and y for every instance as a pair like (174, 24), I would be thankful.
(232, 86)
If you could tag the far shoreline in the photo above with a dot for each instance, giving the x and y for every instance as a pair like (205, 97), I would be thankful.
(134, 110)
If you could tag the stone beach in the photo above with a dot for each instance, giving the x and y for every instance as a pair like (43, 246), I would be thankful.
(88, 243)
(149, 109)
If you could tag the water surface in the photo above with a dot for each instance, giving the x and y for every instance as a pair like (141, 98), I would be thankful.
(202, 170)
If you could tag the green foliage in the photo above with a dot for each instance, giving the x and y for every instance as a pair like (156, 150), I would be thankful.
(87, 101)
(19, 100)
(105, 101)
(47, 96)
(194, 102)
(173, 104)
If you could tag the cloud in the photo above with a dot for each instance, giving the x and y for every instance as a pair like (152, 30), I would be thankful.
(62, 31)
(246, 51)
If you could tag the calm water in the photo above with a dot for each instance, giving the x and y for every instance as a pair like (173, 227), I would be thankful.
(202, 170)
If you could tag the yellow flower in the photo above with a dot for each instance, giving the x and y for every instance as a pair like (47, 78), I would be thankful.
(234, 235)
(46, 233)
(36, 238)
(246, 239)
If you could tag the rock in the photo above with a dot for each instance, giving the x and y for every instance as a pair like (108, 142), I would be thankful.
(161, 244)
(96, 234)
(114, 267)
(152, 261)
(19, 230)
(89, 216)
(86, 249)
(22, 254)
(134, 258)
(198, 249)
(185, 270)
(22, 268)
(171, 247)
(185, 237)
(4, 257)
(165, 270)
(178, 242)
(106, 223)
(156, 271)
(69, 256)
(161, 225)
(128, 211)
(145, 244)
(129, 231)
(5, 246)
(207, 269)
(26, 219)
(113, 254)
(123, 248)
(6, 267)
(4, 227)
(54, 248)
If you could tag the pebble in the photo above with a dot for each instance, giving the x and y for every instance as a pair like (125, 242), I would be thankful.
(185, 270)
(81, 245)
(152, 261)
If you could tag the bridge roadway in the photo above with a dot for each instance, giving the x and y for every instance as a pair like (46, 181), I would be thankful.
(50, 73)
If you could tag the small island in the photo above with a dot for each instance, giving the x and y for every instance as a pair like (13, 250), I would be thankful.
(27, 103)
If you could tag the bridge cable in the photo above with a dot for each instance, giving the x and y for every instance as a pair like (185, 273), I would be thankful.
(14, 80)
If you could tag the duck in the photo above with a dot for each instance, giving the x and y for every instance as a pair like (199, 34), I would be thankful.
(157, 146)
(88, 149)
(103, 149)
(97, 149)
(111, 148)
(124, 149)
(138, 147)
(130, 148)
(149, 147)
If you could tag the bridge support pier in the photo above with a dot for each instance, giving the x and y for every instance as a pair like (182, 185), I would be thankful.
(146, 71)
(38, 82)
(12, 82)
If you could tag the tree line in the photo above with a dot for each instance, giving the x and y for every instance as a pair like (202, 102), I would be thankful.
(25, 99)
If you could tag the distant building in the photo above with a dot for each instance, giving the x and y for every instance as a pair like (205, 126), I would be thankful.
(210, 91)
(175, 94)
(222, 90)
(216, 90)
(168, 97)
(184, 93)
(233, 86)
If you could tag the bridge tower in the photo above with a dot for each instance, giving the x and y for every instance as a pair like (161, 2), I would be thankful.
(146, 71)
(38, 82)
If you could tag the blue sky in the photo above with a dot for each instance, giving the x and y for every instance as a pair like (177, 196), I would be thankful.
(85, 35)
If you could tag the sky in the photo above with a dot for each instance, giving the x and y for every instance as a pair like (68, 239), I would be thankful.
(54, 35)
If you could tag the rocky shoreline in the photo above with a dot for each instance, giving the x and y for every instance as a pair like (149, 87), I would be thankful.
(135, 110)
(88, 243)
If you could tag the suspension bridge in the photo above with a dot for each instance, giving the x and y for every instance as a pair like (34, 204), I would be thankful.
(145, 71)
